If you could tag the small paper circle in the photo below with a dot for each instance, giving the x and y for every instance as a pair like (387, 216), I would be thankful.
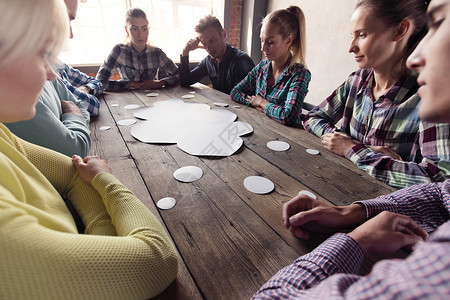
(192, 92)
(307, 193)
(131, 106)
(236, 106)
(125, 122)
(106, 127)
(187, 96)
(152, 95)
(278, 145)
(188, 174)
(115, 104)
(258, 184)
(166, 203)
(312, 151)
(221, 104)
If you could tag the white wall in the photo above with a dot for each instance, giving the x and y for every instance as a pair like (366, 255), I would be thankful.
(327, 42)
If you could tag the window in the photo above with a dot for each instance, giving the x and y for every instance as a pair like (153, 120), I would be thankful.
(100, 24)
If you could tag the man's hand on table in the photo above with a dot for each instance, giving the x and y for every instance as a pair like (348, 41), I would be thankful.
(303, 215)
(387, 233)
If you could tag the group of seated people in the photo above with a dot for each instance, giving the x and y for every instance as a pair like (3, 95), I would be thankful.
(390, 117)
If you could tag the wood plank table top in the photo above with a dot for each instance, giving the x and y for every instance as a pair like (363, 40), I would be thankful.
(230, 241)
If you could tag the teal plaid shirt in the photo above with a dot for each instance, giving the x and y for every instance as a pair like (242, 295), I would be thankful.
(285, 97)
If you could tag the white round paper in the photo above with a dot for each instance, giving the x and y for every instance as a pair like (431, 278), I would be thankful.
(312, 151)
(221, 104)
(188, 174)
(192, 92)
(187, 96)
(278, 145)
(307, 193)
(152, 95)
(104, 127)
(115, 104)
(236, 106)
(125, 122)
(166, 203)
(258, 184)
(131, 106)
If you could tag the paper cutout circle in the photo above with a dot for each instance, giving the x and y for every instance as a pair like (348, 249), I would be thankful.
(236, 106)
(125, 122)
(258, 184)
(188, 174)
(152, 95)
(103, 128)
(278, 145)
(166, 203)
(188, 96)
(221, 104)
(131, 106)
(307, 193)
(312, 151)
(115, 104)
(192, 92)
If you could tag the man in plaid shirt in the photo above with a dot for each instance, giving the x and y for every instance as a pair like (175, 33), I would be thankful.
(401, 219)
(84, 87)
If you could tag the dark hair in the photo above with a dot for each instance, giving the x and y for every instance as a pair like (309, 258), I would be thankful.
(291, 21)
(134, 13)
(208, 21)
(393, 12)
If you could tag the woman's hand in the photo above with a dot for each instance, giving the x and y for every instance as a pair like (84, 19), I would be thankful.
(257, 102)
(147, 84)
(338, 142)
(90, 166)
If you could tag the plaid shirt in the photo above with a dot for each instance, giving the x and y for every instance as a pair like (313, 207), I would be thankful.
(135, 66)
(391, 120)
(285, 97)
(432, 146)
(73, 79)
(331, 270)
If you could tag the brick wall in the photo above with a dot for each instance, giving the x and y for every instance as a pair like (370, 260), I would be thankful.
(234, 34)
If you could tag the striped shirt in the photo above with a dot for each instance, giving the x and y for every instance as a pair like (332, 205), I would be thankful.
(391, 120)
(331, 270)
(430, 159)
(73, 79)
(135, 66)
(285, 96)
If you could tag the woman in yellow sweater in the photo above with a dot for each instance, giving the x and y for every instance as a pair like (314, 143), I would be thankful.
(124, 252)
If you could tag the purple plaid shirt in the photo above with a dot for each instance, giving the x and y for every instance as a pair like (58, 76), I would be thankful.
(331, 270)
(430, 159)
(285, 97)
(135, 66)
(391, 120)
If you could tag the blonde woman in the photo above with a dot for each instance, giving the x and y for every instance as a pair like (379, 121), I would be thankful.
(137, 62)
(124, 252)
(278, 85)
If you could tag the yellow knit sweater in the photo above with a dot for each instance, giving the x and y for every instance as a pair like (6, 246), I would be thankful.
(124, 253)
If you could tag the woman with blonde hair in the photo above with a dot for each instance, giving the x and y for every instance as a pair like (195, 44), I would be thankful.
(278, 85)
(137, 62)
(124, 252)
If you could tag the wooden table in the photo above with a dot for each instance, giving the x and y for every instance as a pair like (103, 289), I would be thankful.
(230, 241)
